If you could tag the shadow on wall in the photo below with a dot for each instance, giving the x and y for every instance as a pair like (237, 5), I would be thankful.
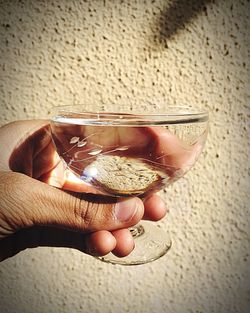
(176, 16)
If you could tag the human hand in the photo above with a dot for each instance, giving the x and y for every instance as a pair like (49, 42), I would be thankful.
(33, 213)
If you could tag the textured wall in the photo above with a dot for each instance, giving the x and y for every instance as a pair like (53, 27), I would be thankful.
(59, 52)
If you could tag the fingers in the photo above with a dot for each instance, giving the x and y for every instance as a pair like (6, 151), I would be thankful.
(119, 242)
(124, 242)
(100, 243)
(97, 244)
(155, 208)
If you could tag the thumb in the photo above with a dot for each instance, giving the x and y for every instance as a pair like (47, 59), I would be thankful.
(30, 202)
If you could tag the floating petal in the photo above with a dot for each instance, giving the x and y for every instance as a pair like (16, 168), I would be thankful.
(122, 148)
(95, 152)
(81, 143)
(74, 140)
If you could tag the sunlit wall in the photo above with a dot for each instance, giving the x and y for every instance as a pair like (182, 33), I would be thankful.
(177, 52)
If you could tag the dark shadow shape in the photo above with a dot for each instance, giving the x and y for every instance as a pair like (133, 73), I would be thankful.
(175, 16)
(43, 236)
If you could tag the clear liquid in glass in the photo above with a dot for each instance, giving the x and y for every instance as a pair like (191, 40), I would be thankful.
(127, 160)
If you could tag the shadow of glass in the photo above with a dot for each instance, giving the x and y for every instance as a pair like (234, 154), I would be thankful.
(175, 16)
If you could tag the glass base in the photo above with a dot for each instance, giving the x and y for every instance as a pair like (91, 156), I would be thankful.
(151, 243)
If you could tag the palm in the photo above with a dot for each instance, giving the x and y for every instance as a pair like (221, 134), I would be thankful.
(36, 157)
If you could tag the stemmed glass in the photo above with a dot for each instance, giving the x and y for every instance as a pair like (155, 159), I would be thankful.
(130, 154)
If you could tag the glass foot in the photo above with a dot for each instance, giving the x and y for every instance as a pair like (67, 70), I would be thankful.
(151, 242)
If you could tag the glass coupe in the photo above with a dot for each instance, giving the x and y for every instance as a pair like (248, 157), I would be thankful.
(131, 154)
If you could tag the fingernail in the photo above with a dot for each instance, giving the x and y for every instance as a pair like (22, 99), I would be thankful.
(126, 209)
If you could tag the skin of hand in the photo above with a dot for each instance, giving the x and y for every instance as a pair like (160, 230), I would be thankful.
(34, 213)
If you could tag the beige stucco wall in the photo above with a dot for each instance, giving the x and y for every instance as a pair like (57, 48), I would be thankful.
(59, 52)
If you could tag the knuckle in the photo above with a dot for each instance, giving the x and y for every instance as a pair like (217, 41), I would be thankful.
(92, 215)
(85, 213)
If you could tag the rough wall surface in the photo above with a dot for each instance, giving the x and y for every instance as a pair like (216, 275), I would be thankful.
(64, 52)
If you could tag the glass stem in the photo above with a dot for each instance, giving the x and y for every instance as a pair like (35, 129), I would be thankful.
(137, 231)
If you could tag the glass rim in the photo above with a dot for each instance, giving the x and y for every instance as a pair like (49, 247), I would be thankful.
(175, 114)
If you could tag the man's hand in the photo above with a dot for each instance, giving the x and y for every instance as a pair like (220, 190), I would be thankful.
(33, 213)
